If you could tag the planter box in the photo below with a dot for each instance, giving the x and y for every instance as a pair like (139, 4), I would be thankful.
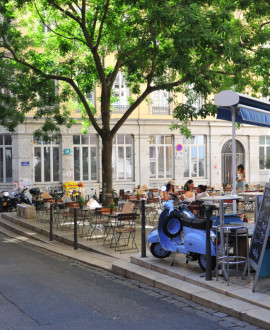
(26, 211)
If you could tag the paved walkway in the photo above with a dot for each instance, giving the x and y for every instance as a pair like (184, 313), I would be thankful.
(183, 279)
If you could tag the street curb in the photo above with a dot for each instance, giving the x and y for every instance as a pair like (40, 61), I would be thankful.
(237, 308)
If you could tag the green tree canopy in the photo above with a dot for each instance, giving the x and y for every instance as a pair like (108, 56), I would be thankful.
(172, 45)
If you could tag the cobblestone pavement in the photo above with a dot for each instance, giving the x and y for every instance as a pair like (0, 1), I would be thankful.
(223, 320)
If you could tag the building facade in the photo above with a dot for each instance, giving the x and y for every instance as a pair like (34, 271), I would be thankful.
(145, 151)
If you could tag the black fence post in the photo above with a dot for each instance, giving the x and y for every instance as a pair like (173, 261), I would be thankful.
(75, 230)
(143, 253)
(51, 222)
(208, 274)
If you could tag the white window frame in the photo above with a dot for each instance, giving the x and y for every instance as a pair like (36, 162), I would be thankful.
(85, 142)
(197, 104)
(128, 174)
(266, 151)
(120, 90)
(189, 146)
(160, 102)
(4, 147)
(38, 143)
(156, 145)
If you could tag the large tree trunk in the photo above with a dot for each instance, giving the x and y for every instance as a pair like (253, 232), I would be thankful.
(107, 169)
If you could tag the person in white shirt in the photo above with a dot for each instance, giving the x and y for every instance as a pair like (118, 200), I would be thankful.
(201, 192)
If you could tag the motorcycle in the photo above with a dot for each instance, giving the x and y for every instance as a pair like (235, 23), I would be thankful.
(21, 196)
(7, 203)
(179, 231)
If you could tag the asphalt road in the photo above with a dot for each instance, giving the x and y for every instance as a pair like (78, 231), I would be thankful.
(42, 290)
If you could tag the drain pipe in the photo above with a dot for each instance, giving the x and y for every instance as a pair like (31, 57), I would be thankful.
(139, 127)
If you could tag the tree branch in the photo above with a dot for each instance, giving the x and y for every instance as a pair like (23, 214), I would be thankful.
(66, 12)
(242, 44)
(114, 73)
(56, 33)
(125, 116)
(60, 78)
(102, 23)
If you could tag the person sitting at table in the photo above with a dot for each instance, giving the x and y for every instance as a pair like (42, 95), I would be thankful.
(201, 192)
(188, 195)
(169, 190)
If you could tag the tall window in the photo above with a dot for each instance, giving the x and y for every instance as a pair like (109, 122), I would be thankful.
(85, 157)
(192, 98)
(47, 160)
(47, 97)
(91, 98)
(161, 156)
(264, 152)
(160, 102)
(194, 156)
(5, 158)
(122, 157)
(121, 93)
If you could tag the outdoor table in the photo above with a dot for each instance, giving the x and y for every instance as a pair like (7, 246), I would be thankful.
(221, 200)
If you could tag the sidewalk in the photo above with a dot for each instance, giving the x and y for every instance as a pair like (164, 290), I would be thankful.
(183, 279)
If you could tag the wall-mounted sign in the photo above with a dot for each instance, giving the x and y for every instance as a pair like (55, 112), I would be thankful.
(67, 151)
(25, 183)
(25, 163)
(151, 140)
(178, 155)
(179, 147)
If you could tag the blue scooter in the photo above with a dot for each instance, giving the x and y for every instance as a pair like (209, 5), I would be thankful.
(179, 231)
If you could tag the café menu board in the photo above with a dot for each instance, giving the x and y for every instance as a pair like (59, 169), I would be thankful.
(260, 234)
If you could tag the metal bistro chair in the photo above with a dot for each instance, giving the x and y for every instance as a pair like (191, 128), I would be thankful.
(68, 215)
(152, 206)
(249, 204)
(43, 212)
(124, 232)
(97, 226)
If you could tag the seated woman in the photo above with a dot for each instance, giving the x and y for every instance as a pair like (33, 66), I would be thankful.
(188, 195)
(201, 192)
(169, 190)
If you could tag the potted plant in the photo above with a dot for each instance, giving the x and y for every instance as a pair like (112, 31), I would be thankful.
(112, 207)
(246, 186)
(81, 201)
(138, 195)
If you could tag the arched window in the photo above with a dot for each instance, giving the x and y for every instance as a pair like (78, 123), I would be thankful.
(226, 159)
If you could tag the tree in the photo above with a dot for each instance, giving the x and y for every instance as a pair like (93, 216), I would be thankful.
(158, 45)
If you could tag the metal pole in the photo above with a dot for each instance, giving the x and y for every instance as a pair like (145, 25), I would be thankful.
(233, 159)
(208, 275)
(51, 222)
(143, 254)
(75, 230)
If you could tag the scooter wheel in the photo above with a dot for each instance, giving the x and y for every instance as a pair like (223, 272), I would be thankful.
(157, 250)
(172, 227)
(202, 262)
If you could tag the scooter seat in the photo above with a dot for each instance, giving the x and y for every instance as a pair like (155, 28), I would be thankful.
(196, 223)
